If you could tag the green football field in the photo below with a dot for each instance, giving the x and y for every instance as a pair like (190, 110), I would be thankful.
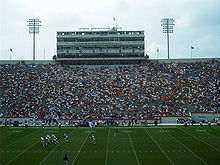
(193, 145)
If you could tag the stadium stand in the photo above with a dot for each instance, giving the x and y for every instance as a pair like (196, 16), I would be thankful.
(46, 91)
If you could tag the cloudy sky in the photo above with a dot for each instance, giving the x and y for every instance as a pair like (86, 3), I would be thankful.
(197, 24)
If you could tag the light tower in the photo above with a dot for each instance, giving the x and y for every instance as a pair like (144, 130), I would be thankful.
(34, 29)
(167, 24)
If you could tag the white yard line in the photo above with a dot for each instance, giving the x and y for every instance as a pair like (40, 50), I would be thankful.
(106, 156)
(187, 148)
(200, 140)
(133, 148)
(21, 153)
(80, 148)
(18, 140)
(159, 146)
(53, 150)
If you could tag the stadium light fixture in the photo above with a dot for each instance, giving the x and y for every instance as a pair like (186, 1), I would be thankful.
(168, 24)
(34, 29)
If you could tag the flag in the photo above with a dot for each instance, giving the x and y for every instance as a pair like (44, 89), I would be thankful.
(192, 47)
(11, 50)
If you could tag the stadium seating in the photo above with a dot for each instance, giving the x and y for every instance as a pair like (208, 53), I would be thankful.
(123, 92)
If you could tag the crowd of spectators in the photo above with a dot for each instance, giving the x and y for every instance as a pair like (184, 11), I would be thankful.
(120, 92)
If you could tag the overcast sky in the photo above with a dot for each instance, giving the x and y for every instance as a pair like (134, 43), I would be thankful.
(197, 24)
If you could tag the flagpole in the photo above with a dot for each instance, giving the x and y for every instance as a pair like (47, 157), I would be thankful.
(192, 47)
(157, 53)
(10, 53)
(44, 53)
(191, 51)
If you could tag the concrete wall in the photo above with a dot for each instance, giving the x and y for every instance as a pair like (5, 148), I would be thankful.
(197, 117)
(170, 119)
(12, 119)
(33, 122)
(27, 62)
(189, 60)
(185, 60)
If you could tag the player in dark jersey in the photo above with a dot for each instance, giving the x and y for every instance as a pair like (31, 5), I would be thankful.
(65, 160)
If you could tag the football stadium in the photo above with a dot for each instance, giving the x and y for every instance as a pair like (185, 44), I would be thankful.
(102, 101)
(155, 112)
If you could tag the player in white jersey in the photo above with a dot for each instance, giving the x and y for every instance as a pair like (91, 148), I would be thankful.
(48, 138)
(55, 140)
(93, 139)
(42, 141)
(66, 137)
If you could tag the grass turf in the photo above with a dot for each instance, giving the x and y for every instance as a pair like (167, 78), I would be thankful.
(131, 146)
